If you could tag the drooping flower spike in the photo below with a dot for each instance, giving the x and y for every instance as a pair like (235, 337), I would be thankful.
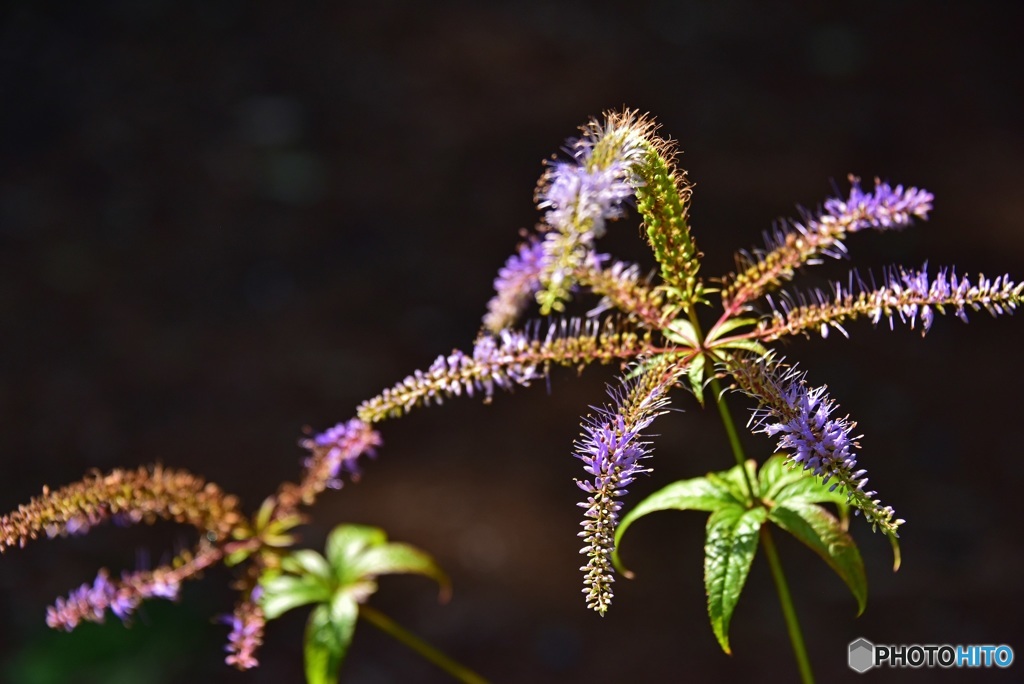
(121, 597)
(809, 433)
(612, 447)
(246, 636)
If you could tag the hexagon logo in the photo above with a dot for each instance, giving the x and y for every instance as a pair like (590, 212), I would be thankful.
(862, 655)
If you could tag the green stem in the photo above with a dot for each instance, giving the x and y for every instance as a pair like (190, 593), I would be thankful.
(731, 433)
(389, 626)
(796, 637)
(723, 411)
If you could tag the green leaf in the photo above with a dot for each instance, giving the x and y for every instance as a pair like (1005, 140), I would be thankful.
(824, 534)
(263, 515)
(346, 542)
(236, 557)
(644, 366)
(728, 326)
(284, 592)
(732, 537)
(696, 376)
(782, 482)
(746, 345)
(396, 558)
(697, 494)
(329, 632)
(358, 553)
(681, 331)
(306, 562)
(739, 486)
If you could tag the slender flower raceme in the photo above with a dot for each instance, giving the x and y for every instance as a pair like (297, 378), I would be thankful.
(796, 243)
(128, 495)
(886, 207)
(803, 419)
(611, 448)
(246, 636)
(909, 295)
(90, 602)
(505, 360)
(337, 450)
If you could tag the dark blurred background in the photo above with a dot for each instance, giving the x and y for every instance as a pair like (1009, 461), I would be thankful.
(220, 222)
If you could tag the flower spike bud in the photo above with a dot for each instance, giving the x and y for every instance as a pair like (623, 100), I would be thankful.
(796, 243)
(802, 419)
(130, 495)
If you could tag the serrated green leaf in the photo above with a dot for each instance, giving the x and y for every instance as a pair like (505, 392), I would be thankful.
(329, 633)
(306, 562)
(284, 592)
(732, 538)
(263, 515)
(346, 542)
(697, 494)
(781, 482)
(236, 557)
(696, 377)
(728, 326)
(681, 331)
(824, 534)
(278, 541)
(739, 486)
(391, 559)
(746, 345)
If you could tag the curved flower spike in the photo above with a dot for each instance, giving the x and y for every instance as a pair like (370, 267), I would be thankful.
(793, 244)
(611, 448)
(802, 418)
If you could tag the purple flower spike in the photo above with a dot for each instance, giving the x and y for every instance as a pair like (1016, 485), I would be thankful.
(90, 602)
(247, 623)
(886, 207)
(814, 439)
(801, 417)
(337, 449)
(516, 283)
(580, 198)
(611, 449)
